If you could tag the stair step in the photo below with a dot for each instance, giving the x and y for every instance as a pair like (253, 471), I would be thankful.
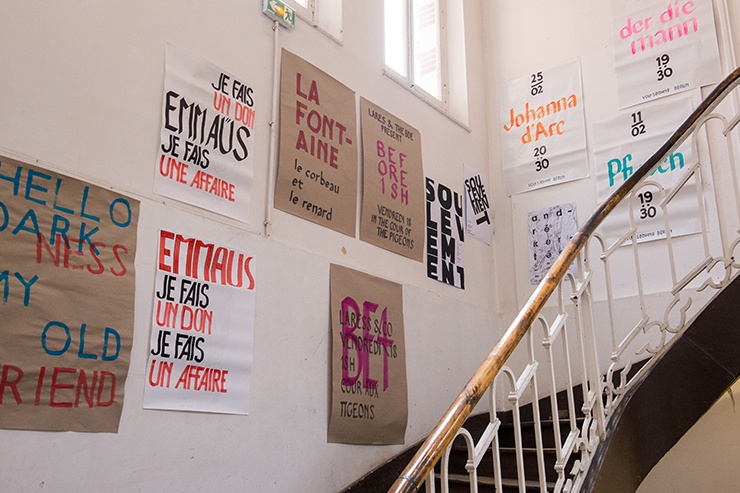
(487, 484)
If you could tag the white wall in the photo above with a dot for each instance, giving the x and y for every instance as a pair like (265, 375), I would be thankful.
(81, 91)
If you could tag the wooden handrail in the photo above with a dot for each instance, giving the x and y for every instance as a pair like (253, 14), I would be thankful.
(422, 464)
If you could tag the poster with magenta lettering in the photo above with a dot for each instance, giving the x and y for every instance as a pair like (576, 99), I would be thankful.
(445, 234)
(369, 396)
(67, 251)
(663, 47)
(200, 356)
(317, 167)
(206, 152)
(393, 183)
(543, 130)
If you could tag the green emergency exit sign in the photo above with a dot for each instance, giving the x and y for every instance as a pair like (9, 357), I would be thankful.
(279, 11)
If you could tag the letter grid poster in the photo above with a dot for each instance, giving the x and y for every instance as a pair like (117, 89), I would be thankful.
(543, 131)
(200, 355)
(663, 47)
(67, 315)
(317, 169)
(445, 234)
(621, 145)
(206, 152)
(369, 402)
(393, 177)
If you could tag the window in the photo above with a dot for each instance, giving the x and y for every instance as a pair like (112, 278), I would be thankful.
(419, 34)
(324, 15)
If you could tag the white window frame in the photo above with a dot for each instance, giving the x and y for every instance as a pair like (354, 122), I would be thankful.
(329, 24)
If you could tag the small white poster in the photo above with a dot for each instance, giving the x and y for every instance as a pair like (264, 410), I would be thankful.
(663, 47)
(543, 131)
(206, 152)
(200, 355)
(621, 145)
(550, 230)
(478, 213)
(445, 234)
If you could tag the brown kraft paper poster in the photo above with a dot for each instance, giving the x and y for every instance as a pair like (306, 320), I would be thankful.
(67, 252)
(393, 177)
(369, 403)
(317, 168)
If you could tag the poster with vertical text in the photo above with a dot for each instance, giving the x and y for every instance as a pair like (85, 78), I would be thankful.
(200, 356)
(67, 315)
(369, 403)
(543, 130)
(445, 234)
(478, 212)
(662, 48)
(393, 194)
(206, 152)
(317, 168)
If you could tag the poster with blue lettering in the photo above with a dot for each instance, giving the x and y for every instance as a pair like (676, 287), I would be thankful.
(543, 130)
(206, 152)
(625, 142)
(445, 234)
(663, 47)
(67, 251)
(200, 356)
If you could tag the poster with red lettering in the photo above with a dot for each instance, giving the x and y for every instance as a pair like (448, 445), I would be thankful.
(663, 47)
(369, 402)
(543, 129)
(317, 168)
(200, 356)
(393, 183)
(67, 251)
(206, 152)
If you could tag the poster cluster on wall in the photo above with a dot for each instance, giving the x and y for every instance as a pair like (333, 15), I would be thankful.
(206, 152)
(200, 355)
(369, 403)
(67, 283)
(663, 48)
(445, 234)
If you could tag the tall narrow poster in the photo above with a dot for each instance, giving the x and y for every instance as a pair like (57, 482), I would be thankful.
(621, 145)
(478, 212)
(206, 151)
(67, 279)
(369, 403)
(200, 356)
(317, 170)
(663, 47)
(549, 230)
(445, 234)
(393, 194)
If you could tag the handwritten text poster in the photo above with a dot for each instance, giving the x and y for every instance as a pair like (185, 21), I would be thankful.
(67, 282)
(543, 132)
(663, 47)
(206, 153)
(317, 171)
(478, 213)
(393, 197)
(369, 403)
(549, 231)
(202, 324)
(445, 234)
(621, 146)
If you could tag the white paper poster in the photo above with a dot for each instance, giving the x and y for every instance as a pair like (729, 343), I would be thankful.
(543, 133)
(445, 234)
(206, 148)
(550, 229)
(478, 213)
(621, 146)
(202, 325)
(663, 47)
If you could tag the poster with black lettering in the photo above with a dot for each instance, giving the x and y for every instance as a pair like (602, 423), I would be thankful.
(543, 130)
(445, 234)
(67, 251)
(663, 47)
(478, 212)
(369, 402)
(206, 152)
(393, 177)
(200, 356)
(317, 168)
(549, 230)
(621, 145)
